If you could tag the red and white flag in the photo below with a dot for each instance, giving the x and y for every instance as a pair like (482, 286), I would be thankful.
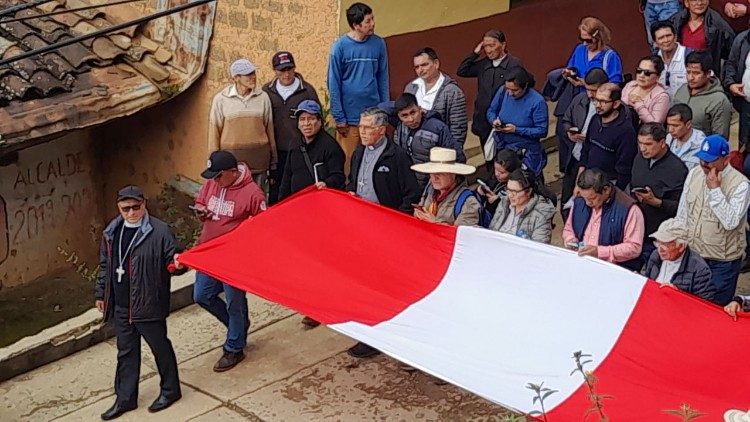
(486, 311)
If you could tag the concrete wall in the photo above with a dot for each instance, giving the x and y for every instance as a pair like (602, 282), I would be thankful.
(394, 17)
(51, 198)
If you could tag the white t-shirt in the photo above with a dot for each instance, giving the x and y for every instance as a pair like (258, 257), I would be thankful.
(668, 269)
(746, 79)
(425, 98)
(287, 91)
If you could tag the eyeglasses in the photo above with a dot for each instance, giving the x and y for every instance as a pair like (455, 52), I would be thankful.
(587, 40)
(598, 101)
(515, 191)
(646, 72)
(127, 209)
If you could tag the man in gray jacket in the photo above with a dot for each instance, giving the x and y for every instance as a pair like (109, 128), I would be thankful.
(438, 92)
(575, 123)
(673, 263)
(712, 111)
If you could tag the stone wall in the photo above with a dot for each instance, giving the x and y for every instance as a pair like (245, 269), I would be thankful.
(48, 198)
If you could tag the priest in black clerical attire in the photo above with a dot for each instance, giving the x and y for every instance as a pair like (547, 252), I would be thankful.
(136, 261)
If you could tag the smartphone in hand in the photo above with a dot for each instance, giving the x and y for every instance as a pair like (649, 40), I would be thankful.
(574, 130)
(640, 189)
(417, 207)
(484, 185)
(200, 212)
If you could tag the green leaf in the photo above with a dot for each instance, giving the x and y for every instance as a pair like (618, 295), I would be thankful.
(535, 400)
(548, 393)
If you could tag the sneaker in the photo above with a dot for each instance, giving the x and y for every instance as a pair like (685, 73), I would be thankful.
(228, 361)
(362, 351)
(309, 322)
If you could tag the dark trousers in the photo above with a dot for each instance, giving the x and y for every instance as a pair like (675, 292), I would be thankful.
(724, 275)
(273, 190)
(129, 357)
(569, 184)
(744, 123)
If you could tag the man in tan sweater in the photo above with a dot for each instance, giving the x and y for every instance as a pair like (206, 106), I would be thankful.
(241, 122)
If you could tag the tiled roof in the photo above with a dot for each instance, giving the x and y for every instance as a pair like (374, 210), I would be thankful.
(59, 71)
(75, 86)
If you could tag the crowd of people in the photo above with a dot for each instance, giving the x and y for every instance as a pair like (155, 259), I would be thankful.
(649, 182)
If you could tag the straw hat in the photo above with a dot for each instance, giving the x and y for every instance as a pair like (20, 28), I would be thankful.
(443, 160)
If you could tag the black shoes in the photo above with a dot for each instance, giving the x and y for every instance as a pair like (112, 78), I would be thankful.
(309, 322)
(362, 351)
(116, 411)
(228, 361)
(162, 402)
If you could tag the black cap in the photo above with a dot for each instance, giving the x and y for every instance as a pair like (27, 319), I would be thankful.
(130, 192)
(218, 162)
(282, 60)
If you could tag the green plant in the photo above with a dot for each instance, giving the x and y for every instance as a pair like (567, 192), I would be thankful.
(597, 400)
(326, 114)
(542, 393)
(82, 269)
(685, 413)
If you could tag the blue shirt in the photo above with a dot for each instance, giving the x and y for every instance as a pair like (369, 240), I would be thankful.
(580, 60)
(357, 77)
(530, 115)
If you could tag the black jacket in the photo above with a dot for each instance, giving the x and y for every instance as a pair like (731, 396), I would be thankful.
(489, 80)
(394, 181)
(734, 66)
(284, 125)
(575, 116)
(719, 35)
(322, 149)
(611, 147)
(147, 266)
(666, 178)
(693, 276)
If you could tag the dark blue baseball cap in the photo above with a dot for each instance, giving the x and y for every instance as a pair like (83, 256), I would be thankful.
(308, 106)
(713, 148)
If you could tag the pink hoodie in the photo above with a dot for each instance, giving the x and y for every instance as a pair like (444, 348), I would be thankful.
(230, 206)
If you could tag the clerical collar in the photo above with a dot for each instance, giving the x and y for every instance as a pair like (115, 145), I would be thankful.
(133, 225)
(377, 144)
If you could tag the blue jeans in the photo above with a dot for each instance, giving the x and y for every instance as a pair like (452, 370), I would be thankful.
(656, 12)
(232, 313)
(724, 275)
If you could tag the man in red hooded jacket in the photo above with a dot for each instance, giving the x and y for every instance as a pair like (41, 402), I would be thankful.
(229, 197)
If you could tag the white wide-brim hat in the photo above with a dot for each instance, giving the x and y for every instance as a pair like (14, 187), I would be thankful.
(443, 160)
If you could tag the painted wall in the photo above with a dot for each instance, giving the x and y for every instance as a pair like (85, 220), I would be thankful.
(394, 17)
(49, 198)
(542, 33)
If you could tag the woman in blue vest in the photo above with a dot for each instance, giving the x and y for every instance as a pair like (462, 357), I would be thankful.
(520, 119)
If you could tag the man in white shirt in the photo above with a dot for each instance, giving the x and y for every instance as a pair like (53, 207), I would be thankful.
(683, 140)
(673, 263)
(673, 54)
(713, 208)
(439, 92)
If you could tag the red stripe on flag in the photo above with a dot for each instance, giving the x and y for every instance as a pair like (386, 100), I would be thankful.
(647, 372)
(332, 257)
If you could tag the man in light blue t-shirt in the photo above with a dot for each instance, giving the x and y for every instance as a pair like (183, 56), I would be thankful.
(357, 75)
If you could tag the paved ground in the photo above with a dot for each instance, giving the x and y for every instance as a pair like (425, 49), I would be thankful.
(290, 374)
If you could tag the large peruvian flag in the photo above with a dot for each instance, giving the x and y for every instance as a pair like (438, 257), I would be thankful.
(489, 312)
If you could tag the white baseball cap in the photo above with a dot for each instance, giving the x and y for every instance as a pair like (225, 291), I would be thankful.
(241, 67)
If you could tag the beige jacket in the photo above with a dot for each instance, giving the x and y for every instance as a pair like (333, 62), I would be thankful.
(469, 214)
(243, 126)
